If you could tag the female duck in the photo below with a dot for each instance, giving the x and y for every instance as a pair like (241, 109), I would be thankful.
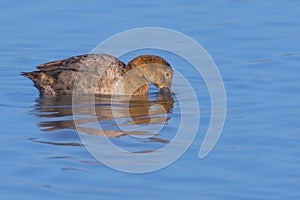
(102, 74)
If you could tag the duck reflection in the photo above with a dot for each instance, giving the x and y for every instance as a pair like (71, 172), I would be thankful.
(110, 114)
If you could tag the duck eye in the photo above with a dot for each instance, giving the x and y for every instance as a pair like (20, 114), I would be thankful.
(167, 75)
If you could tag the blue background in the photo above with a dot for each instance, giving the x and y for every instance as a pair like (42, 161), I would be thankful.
(255, 44)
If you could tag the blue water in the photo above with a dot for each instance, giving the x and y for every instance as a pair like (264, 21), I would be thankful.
(255, 44)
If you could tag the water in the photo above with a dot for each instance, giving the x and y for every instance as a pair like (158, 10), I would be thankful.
(256, 47)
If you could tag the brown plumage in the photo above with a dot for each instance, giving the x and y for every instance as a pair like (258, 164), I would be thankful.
(102, 74)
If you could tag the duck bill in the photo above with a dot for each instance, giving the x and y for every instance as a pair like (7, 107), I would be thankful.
(165, 91)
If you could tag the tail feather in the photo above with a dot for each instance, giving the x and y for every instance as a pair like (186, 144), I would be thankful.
(30, 75)
(41, 81)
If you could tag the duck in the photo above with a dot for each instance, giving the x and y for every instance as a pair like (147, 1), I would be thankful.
(102, 74)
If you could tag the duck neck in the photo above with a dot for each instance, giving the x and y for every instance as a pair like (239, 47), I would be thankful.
(135, 83)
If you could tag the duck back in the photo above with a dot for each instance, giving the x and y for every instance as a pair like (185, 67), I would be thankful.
(58, 77)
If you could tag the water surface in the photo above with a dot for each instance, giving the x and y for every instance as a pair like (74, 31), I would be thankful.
(256, 47)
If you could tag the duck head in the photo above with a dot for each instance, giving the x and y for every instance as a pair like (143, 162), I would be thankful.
(155, 70)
